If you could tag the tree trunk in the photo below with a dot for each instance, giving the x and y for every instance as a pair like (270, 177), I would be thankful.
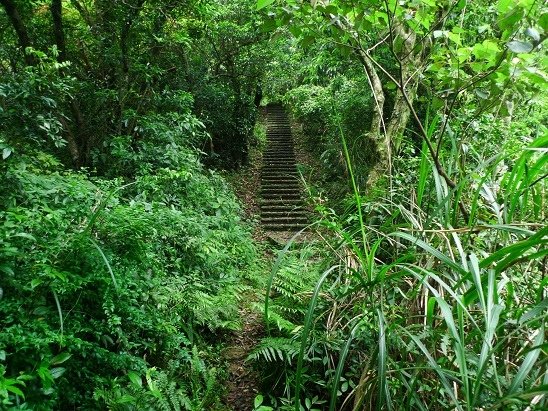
(377, 130)
(409, 63)
(388, 135)
(57, 18)
(20, 30)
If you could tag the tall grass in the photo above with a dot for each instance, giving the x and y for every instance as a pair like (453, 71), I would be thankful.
(467, 330)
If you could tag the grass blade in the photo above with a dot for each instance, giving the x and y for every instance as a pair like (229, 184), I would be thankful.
(306, 331)
(109, 268)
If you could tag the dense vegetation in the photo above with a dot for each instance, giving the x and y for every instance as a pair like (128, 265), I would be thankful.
(428, 120)
(123, 252)
(121, 255)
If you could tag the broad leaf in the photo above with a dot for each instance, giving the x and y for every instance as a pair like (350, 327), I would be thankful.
(533, 33)
(261, 4)
(517, 46)
(61, 358)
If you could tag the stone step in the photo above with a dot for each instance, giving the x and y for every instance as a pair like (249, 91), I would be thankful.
(281, 183)
(270, 213)
(269, 189)
(277, 173)
(279, 163)
(280, 158)
(288, 202)
(279, 151)
(281, 203)
(276, 214)
(277, 184)
(270, 170)
(275, 170)
(280, 188)
(282, 211)
(284, 227)
(284, 220)
(277, 180)
(285, 159)
(277, 176)
(279, 168)
(282, 192)
(281, 177)
(272, 185)
(281, 197)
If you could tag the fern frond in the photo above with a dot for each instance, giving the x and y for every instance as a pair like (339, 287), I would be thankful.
(272, 349)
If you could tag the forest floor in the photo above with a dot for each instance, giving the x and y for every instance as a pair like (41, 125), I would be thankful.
(243, 383)
(243, 380)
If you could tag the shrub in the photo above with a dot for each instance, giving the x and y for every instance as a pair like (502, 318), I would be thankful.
(105, 281)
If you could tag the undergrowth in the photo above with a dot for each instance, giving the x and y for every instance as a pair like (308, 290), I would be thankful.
(116, 292)
(419, 305)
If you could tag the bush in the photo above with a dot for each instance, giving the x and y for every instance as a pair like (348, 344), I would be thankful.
(108, 284)
(341, 108)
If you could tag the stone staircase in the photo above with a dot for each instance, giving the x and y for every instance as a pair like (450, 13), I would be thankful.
(281, 201)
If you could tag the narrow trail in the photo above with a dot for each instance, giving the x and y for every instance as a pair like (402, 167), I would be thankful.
(269, 186)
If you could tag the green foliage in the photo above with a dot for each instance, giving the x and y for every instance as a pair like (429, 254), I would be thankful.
(439, 300)
(317, 347)
(344, 104)
(121, 277)
(457, 314)
(161, 391)
(31, 104)
(87, 75)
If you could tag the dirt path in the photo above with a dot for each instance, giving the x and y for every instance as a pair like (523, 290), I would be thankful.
(243, 381)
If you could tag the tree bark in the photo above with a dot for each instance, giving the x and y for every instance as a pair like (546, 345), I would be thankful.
(83, 13)
(20, 30)
(387, 135)
(409, 61)
(377, 129)
(124, 33)
(56, 9)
